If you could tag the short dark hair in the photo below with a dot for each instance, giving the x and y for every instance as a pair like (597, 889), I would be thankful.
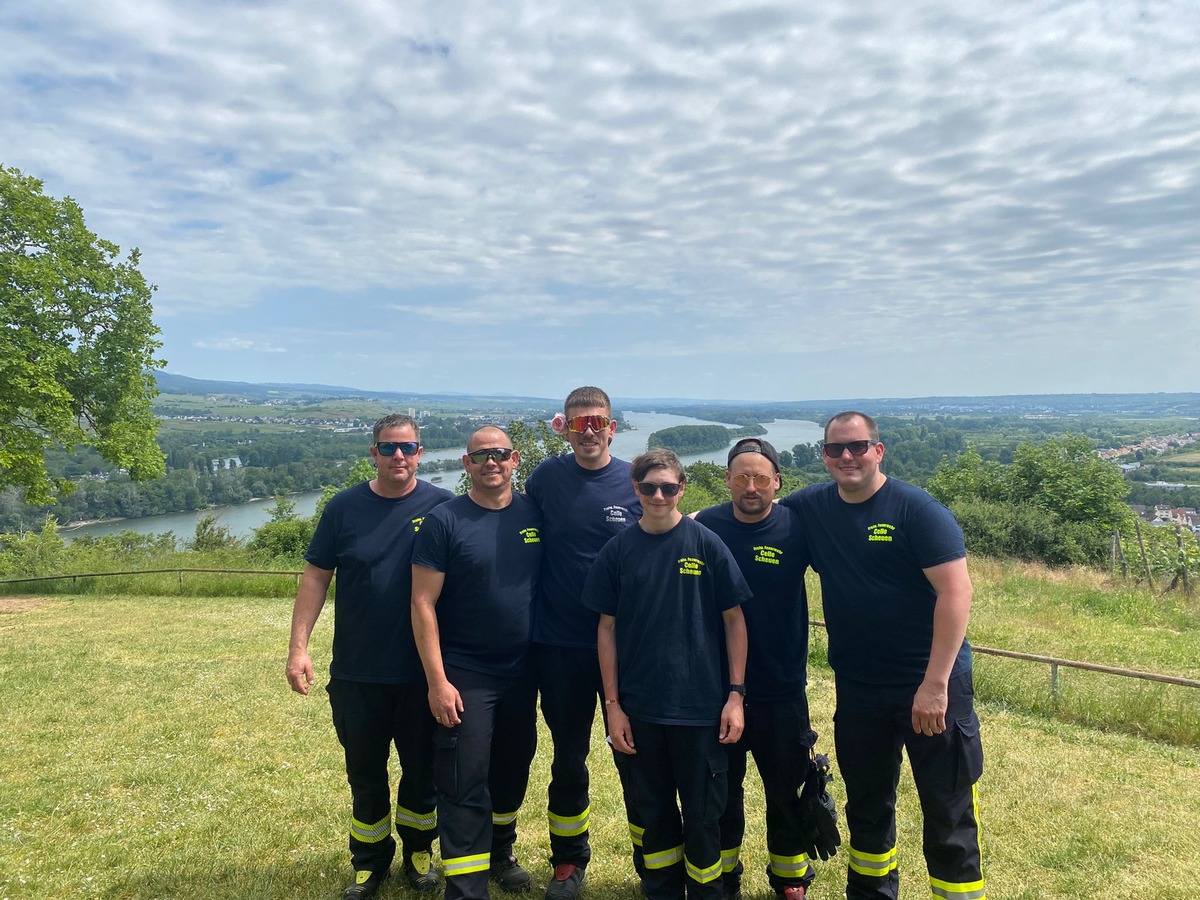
(872, 428)
(395, 420)
(657, 459)
(587, 396)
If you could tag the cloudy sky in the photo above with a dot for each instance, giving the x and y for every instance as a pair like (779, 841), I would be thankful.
(692, 199)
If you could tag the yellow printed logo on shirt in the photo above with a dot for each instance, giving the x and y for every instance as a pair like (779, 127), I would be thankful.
(882, 532)
(768, 555)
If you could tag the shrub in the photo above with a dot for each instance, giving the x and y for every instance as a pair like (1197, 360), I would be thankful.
(1024, 531)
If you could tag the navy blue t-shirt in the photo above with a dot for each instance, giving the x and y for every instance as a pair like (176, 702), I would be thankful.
(667, 592)
(878, 602)
(581, 510)
(772, 555)
(368, 540)
(490, 558)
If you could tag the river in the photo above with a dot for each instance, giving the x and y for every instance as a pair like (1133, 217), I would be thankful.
(630, 440)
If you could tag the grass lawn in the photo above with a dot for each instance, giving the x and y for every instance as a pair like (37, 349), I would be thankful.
(152, 749)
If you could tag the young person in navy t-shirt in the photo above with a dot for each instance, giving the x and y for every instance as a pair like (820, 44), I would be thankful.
(672, 649)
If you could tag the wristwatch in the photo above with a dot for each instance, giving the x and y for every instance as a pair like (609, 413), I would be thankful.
(738, 688)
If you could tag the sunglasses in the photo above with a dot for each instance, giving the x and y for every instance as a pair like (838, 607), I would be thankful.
(650, 488)
(389, 448)
(762, 482)
(580, 424)
(856, 448)
(492, 454)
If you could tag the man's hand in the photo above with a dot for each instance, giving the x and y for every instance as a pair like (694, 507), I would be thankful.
(300, 671)
(445, 703)
(929, 708)
(619, 730)
(733, 720)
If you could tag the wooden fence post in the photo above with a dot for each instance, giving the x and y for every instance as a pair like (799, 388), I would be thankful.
(1137, 523)
(1182, 560)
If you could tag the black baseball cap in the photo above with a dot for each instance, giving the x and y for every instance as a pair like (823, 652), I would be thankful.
(754, 445)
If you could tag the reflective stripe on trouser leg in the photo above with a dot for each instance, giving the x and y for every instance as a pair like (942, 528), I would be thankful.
(973, 890)
(664, 858)
(569, 826)
(370, 833)
(730, 859)
(504, 818)
(418, 821)
(466, 865)
(635, 834)
(704, 874)
(794, 867)
(872, 864)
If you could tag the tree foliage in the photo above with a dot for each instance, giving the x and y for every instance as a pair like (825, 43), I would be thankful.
(1058, 487)
(76, 343)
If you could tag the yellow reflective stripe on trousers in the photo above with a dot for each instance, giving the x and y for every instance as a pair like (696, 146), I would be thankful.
(958, 890)
(789, 866)
(635, 834)
(467, 865)
(420, 821)
(504, 818)
(569, 826)
(664, 858)
(702, 875)
(877, 864)
(370, 834)
(729, 858)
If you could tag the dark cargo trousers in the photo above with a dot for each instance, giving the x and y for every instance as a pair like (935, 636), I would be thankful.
(569, 683)
(871, 725)
(369, 718)
(779, 737)
(481, 769)
(678, 781)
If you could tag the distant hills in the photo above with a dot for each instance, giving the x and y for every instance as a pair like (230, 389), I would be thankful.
(1155, 405)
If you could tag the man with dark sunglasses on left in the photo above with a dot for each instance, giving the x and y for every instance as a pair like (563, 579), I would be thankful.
(376, 688)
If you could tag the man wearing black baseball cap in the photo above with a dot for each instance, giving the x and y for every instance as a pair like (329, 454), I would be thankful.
(769, 545)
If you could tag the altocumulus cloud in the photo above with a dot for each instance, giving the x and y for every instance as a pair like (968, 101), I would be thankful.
(705, 199)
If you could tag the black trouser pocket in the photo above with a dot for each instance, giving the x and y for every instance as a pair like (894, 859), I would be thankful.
(445, 763)
(718, 787)
(970, 751)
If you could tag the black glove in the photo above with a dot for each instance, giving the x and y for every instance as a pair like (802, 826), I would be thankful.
(819, 815)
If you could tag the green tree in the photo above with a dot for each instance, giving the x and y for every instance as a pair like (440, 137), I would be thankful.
(1057, 501)
(76, 343)
(285, 535)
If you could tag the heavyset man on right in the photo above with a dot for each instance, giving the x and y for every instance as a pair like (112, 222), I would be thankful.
(897, 597)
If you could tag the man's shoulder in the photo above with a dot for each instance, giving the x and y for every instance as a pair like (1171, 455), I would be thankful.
(902, 493)
(453, 507)
(424, 492)
(349, 496)
(810, 495)
(715, 515)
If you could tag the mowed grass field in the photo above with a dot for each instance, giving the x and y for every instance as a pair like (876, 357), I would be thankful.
(152, 749)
